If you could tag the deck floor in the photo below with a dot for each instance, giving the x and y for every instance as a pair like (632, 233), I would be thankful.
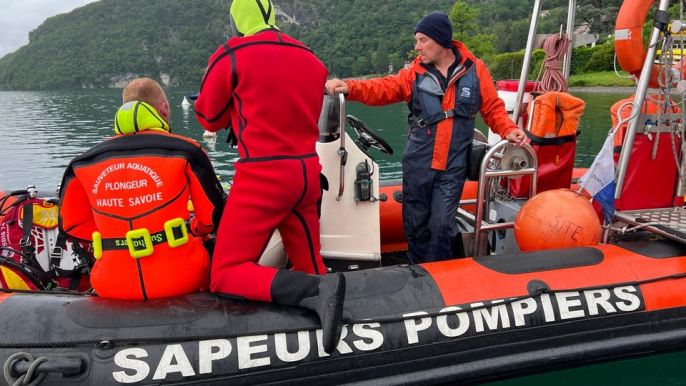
(667, 222)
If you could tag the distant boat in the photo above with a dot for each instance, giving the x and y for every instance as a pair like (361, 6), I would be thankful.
(189, 100)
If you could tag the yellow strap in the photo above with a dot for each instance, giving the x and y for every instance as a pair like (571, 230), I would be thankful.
(140, 241)
(97, 245)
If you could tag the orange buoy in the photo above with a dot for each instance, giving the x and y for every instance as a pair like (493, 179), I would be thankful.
(557, 218)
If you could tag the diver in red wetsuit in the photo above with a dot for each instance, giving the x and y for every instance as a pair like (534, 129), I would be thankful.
(129, 196)
(268, 88)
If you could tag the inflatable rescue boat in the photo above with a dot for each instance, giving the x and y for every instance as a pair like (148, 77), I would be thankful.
(501, 315)
(506, 313)
(460, 322)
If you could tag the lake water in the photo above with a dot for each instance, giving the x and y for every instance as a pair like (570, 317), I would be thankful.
(42, 131)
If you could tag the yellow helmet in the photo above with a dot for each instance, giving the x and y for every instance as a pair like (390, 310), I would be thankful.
(137, 116)
(251, 16)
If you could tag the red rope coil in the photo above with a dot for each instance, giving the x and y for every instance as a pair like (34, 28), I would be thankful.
(555, 48)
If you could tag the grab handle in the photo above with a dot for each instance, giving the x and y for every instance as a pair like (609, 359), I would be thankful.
(341, 150)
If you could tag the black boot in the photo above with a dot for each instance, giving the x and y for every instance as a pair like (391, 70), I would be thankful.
(329, 306)
(324, 295)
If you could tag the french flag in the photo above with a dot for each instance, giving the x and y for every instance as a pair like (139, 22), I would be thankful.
(599, 180)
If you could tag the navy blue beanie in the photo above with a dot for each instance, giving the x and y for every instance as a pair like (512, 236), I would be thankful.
(437, 26)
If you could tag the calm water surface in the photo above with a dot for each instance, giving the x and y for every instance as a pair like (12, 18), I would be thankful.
(42, 131)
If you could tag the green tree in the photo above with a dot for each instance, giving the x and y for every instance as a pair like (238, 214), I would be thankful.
(73, 50)
(465, 27)
(600, 15)
(510, 35)
(602, 58)
(397, 62)
(382, 58)
(362, 66)
(464, 20)
(351, 37)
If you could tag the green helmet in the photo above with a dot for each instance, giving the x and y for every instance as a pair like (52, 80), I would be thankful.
(137, 116)
(251, 16)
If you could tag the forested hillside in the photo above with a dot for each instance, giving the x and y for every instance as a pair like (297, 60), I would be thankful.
(103, 42)
(108, 42)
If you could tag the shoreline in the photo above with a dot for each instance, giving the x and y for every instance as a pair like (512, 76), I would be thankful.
(618, 90)
(604, 89)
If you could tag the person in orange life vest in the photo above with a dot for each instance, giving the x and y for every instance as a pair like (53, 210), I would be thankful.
(444, 88)
(649, 107)
(129, 195)
(268, 89)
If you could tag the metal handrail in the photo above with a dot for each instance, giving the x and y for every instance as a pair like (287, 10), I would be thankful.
(641, 91)
(485, 174)
(342, 153)
(527, 61)
(571, 17)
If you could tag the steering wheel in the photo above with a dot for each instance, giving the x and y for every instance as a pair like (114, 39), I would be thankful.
(367, 138)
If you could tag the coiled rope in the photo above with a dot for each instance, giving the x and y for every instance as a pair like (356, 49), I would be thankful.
(27, 379)
(555, 48)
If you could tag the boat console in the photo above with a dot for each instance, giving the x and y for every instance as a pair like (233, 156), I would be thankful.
(350, 221)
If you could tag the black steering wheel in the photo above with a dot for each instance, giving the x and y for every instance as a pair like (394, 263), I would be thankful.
(367, 138)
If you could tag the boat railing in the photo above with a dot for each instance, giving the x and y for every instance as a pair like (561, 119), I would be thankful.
(669, 221)
(641, 92)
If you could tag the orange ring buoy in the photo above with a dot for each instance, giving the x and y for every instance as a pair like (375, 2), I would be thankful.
(631, 53)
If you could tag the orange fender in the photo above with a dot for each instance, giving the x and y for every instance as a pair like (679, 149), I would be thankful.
(392, 234)
(631, 53)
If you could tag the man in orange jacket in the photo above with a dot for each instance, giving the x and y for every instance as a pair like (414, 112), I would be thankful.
(129, 196)
(444, 88)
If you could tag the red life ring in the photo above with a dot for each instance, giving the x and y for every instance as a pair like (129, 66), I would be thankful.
(631, 53)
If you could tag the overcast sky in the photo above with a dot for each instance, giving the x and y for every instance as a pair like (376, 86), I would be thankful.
(19, 17)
